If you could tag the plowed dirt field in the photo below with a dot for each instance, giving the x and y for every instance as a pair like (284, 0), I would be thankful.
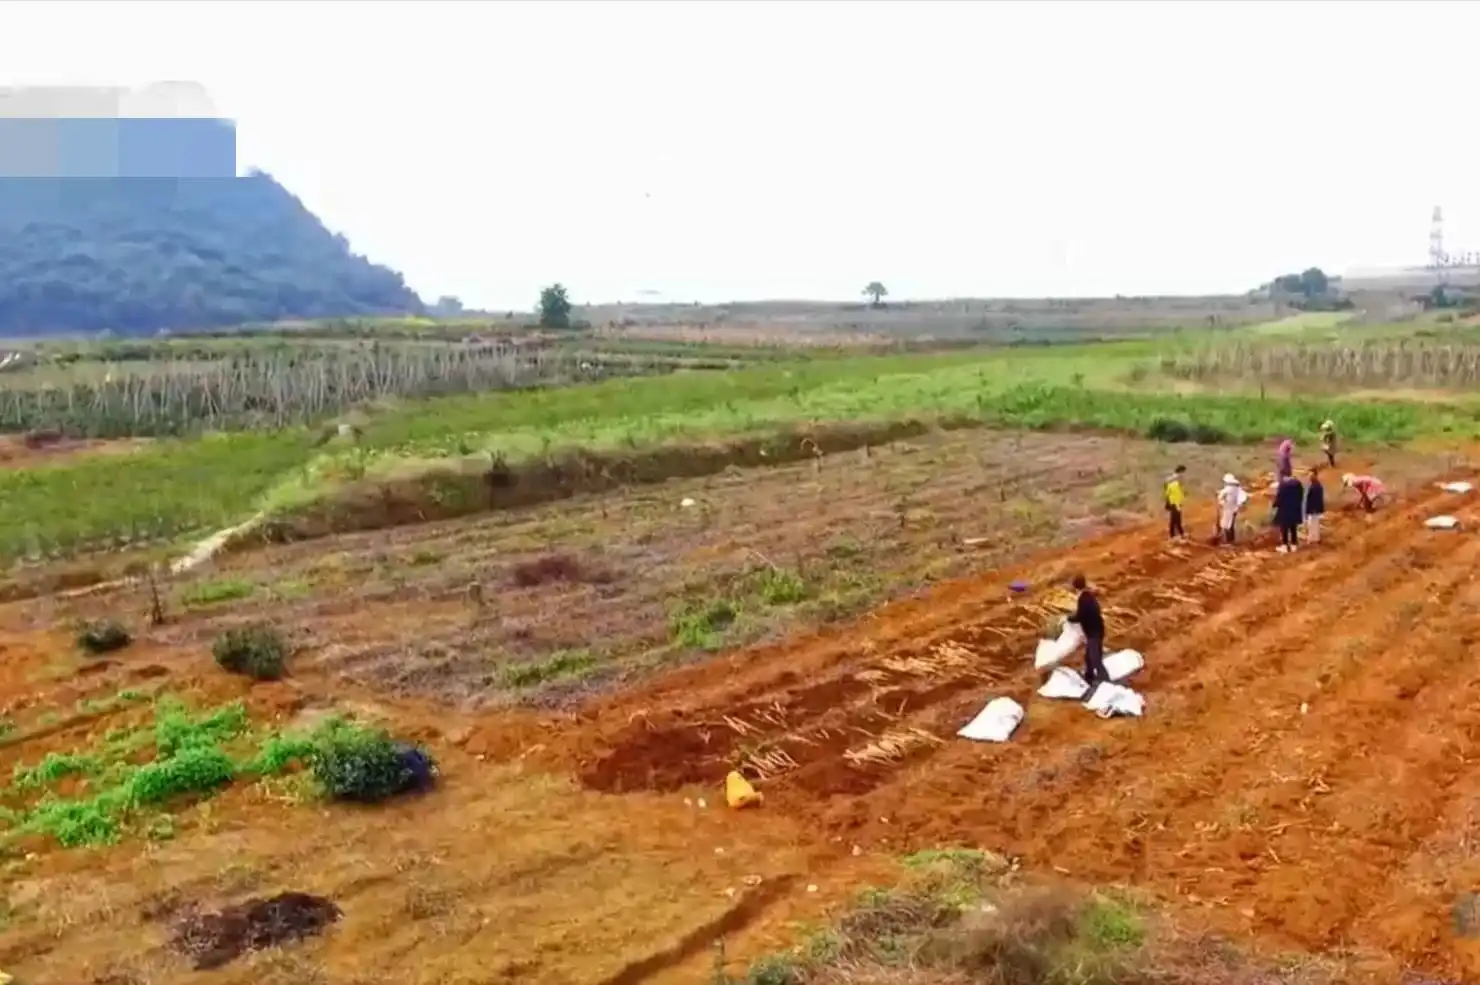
(1307, 776)
(1308, 771)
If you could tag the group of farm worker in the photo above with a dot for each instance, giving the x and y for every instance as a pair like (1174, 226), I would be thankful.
(1295, 503)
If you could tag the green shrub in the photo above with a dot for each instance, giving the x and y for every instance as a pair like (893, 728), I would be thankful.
(191, 770)
(781, 587)
(1207, 434)
(103, 636)
(352, 762)
(258, 651)
(774, 969)
(1169, 430)
(700, 625)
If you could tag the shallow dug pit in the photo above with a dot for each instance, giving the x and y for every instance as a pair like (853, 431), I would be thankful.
(211, 940)
(555, 568)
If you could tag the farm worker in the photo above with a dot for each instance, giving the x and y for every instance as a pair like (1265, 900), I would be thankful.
(1328, 442)
(1368, 487)
(1174, 499)
(1315, 506)
(1231, 499)
(1289, 509)
(1284, 461)
(1088, 617)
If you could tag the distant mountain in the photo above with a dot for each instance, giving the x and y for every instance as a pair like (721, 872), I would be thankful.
(136, 255)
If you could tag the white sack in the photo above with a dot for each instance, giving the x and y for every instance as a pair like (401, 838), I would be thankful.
(1441, 523)
(995, 723)
(1110, 700)
(1123, 663)
(1051, 653)
(1456, 487)
(1064, 682)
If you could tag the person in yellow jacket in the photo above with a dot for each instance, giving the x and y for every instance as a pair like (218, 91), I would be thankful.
(1175, 497)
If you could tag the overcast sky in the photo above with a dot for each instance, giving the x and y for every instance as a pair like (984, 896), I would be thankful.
(713, 151)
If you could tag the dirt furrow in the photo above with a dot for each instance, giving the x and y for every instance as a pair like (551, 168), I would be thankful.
(836, 714)
(1054, 727)
(1392, 744)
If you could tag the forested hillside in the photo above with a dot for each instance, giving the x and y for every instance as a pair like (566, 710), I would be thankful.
(137, 255)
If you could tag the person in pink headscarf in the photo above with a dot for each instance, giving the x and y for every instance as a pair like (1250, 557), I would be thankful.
(1284, 464)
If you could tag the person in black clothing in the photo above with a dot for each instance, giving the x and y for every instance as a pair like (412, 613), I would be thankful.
(1315, 507)
(1289, 510)
(1088, 617)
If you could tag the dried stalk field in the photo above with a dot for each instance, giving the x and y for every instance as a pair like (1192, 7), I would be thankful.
(1413, 362)
(275, 387)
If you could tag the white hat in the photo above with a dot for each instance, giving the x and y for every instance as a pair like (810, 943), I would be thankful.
(1348, 479)
(1230, 480)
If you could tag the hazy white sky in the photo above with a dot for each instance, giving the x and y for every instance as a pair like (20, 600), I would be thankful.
(715, 150)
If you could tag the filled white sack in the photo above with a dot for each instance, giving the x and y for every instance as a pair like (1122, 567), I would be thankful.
(994, 723)
(1051, 653)
(1064, 682)
(1123, 663)
(1441, 522)
(1110, 700)
(1456, 487)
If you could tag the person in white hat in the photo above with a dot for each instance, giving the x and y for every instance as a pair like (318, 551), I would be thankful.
(1231, 499)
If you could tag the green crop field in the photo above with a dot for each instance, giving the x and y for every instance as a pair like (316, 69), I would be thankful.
(182, 487)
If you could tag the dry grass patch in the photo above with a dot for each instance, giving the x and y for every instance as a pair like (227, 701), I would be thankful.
(964, 916)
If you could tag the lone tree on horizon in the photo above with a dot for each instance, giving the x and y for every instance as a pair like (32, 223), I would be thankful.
(555, 307)
(878, 292)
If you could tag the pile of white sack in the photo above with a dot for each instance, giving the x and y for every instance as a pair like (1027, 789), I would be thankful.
(1109, 699)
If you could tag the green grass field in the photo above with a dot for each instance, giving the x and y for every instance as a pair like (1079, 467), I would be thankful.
(175, 489)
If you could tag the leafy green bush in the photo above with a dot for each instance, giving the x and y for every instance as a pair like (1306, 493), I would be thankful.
(365, 765)
(193, 770)
(103, 636)
(258, 651)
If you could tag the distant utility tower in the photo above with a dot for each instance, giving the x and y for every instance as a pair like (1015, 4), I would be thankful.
(1438, 259)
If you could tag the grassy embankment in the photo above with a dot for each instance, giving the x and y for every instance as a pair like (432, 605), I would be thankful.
(180, 488)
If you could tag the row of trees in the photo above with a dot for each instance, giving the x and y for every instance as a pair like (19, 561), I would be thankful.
(555, 305)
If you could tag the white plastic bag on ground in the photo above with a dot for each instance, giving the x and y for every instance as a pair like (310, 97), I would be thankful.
(1456, 487)
(1441, 523)
(1051, 653)
(1123, 663)
(1111, 700)
(994, 723)
(1064, 682)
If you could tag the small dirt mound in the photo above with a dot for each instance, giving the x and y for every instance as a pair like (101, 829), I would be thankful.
(551, 568)
(211, 940)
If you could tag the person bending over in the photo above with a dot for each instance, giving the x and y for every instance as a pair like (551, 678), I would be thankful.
(1368, 487)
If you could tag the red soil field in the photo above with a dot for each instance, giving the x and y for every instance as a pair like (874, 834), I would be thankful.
(1305, 778)
(1306, 773)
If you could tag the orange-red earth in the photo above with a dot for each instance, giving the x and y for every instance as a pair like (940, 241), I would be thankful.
(1306, 777)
